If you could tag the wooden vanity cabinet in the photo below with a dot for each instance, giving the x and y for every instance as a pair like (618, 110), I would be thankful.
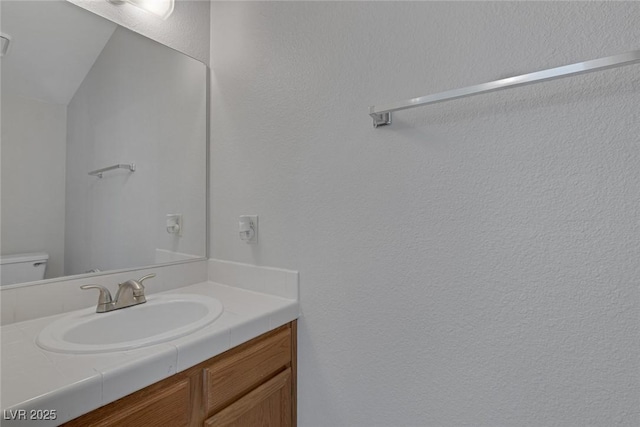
(249, 385)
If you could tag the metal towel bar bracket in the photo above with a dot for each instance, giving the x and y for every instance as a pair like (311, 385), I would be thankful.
(99, 172)
(382, 114)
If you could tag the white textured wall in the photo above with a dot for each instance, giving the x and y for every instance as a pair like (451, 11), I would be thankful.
(145, 104)
(186, 29)
(476, 263)
(34, 136)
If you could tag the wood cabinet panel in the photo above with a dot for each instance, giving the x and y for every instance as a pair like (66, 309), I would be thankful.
(240, 370)
(269, 405)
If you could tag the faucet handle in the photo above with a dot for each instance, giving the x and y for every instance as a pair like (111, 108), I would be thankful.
(148, 276)
(105, 295)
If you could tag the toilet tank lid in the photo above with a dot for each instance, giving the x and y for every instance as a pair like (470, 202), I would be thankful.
(16, 258)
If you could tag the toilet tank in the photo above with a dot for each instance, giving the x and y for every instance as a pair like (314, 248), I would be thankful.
(20, 268)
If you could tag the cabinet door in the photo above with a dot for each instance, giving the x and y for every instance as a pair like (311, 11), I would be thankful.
(267, 406)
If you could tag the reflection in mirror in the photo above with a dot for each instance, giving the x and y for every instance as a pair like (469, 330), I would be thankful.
(79, 94)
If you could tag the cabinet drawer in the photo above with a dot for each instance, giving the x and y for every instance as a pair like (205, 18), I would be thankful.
(269, 405)
(242, 369)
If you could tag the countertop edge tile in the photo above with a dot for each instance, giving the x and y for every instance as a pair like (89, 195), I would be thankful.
(283, 315)
(199, 348)
(138, 372)
(69, 402)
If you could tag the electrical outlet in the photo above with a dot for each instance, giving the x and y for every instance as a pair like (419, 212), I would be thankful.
(248, 228)
(174, 224)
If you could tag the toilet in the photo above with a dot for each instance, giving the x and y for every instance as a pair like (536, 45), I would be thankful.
(19, 268)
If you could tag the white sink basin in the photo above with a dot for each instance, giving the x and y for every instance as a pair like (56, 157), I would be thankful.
(161, 318)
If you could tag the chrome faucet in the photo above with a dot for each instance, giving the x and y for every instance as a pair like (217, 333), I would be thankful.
(129, 293)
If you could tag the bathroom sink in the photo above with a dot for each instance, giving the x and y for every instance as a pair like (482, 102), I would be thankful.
(161, 318)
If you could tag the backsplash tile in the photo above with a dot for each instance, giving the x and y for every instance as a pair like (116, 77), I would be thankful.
(38, 300)
(273, 281)
(251, 278)
(7, 308)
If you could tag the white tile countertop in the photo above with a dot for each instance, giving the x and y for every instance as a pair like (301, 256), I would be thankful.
(33, 379)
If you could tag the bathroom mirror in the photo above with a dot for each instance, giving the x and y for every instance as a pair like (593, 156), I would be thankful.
(81, 94)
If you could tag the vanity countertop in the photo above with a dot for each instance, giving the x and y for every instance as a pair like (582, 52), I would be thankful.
(39, 381)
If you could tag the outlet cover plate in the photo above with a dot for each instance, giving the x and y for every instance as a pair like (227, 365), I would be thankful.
(252, 222)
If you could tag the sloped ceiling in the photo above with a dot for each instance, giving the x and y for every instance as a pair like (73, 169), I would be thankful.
(54, 45)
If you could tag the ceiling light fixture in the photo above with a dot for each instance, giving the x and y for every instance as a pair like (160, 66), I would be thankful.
(160, 8)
